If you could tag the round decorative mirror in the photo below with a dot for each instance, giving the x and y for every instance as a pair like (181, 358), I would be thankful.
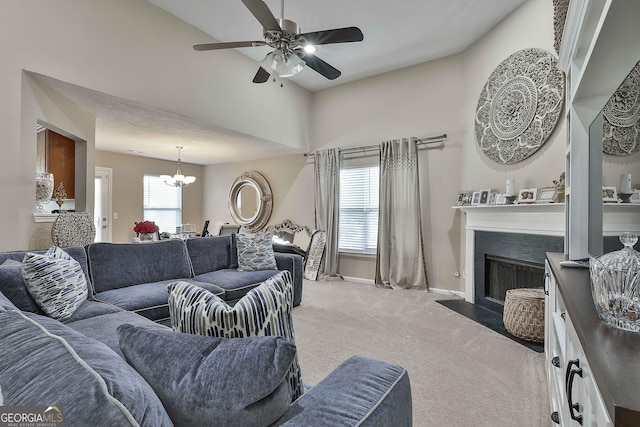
(250, 201)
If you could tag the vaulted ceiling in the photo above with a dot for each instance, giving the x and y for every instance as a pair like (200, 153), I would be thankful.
(397, 34)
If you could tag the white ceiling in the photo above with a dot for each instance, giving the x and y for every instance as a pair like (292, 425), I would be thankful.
(397, 34)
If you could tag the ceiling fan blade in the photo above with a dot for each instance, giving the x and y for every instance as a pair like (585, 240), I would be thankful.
(261, 11)
(261, 76)
(319, 65)
(227, 45)
(338, 35)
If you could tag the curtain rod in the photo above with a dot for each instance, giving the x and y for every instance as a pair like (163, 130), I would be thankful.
(419, 141)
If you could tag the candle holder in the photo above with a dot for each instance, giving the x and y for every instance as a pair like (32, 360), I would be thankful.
(625, 197)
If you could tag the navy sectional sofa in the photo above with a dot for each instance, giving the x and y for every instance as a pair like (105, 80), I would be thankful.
(134, 276)
(79, 366)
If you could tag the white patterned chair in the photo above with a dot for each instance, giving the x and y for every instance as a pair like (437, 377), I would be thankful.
(303, 241)
(73, 228)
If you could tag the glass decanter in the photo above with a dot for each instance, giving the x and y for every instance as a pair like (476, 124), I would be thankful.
(615, 285)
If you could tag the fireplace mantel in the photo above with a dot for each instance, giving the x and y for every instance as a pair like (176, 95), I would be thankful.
(547, 218)
(542, 219)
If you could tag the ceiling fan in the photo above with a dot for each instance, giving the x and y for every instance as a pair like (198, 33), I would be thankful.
(293, 50)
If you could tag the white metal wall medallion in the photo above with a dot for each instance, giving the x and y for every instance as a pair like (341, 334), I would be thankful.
(621, 129)
(519, 106)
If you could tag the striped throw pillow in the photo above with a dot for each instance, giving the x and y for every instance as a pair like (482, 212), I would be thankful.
(55, 281)
(263, 311)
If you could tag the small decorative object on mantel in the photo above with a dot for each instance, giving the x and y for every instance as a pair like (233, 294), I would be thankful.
(44, 190)
(621, 117)
(146, 231)
(519, 106)
(625, 191)
(609, 194)
(60, 194)
(614, 285)
(510, 192)
(560, 185)
(527, 195)
(546, 195)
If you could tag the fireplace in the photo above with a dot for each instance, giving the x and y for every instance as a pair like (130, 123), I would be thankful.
(506, 261)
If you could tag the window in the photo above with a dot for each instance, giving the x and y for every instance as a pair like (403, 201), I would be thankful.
(359, 197)
(162, 204)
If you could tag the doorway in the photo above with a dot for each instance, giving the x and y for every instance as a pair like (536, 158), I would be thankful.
(102, 210)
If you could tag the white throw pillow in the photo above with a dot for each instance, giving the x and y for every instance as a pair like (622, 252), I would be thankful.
(255, 253)
(55, 281)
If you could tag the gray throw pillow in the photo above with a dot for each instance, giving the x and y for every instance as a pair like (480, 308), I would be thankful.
(255, 253)
(12, 286)
(5, 303)
(198, 378)
(263, 311)
(55, 281)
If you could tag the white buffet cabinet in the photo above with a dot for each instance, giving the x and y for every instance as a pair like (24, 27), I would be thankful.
(593, 370)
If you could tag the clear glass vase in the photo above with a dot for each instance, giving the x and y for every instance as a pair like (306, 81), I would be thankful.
(615, 285)
(44, 190)
(148, 237)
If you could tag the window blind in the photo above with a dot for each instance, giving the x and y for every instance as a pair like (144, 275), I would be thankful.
(359, 201)
(162, 204)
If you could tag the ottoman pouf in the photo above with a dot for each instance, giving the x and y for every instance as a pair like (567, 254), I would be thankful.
(524, 314)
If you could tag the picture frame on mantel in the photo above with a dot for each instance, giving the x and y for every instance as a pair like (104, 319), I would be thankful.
(547, 195)
(475, 200)
(501, 199)
(609, 194)
(484, 197)
(527, 195)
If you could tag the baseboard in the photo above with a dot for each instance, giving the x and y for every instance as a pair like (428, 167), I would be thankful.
(359, 280)
(432, 290)
(446, 292)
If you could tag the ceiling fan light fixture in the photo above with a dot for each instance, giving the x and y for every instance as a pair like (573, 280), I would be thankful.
(277, 63)
(309, 48)
(178, 180)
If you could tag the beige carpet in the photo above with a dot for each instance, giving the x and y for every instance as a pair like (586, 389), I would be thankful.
(462, 373)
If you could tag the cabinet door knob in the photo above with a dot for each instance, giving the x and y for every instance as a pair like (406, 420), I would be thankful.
(556, 361)
(555, 417)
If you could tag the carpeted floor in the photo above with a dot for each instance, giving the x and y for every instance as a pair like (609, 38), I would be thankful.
(462, 373)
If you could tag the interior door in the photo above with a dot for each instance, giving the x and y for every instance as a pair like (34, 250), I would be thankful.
(102, 210)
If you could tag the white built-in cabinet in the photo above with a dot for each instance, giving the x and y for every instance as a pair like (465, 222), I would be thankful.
(575, 397)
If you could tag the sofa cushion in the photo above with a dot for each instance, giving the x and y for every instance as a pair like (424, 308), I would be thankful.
(197, 378)
(5, 303)
(149, 299)
(263, 311)
(104, 328)
(118, 265)
(235, 283)
(255, 253)
(212, 253)
(91, 308)
(55, 281)
(13, 288)
(360, 392)
(45, 363)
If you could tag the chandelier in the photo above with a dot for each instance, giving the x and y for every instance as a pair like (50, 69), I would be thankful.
(178, 180)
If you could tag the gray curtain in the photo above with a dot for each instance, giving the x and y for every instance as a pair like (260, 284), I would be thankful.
(327, 196)
(400, 259)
